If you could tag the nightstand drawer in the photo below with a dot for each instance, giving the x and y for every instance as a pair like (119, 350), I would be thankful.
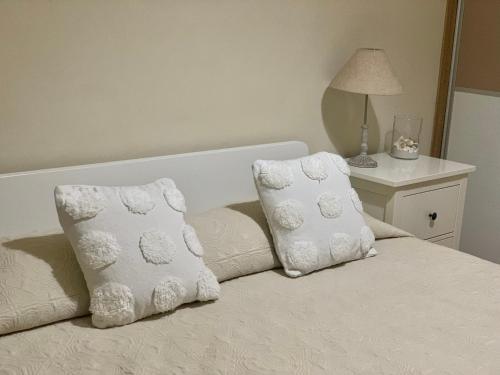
(430, 213)
(446, 241)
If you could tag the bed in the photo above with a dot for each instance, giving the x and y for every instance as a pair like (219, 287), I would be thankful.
(416, 308)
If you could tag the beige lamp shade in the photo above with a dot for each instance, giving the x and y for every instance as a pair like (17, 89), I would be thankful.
(368, 71)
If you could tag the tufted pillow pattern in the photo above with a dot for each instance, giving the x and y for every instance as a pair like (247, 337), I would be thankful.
(314, 214)
(137, 254)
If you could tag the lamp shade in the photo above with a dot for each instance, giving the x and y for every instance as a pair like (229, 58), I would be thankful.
(368, 71)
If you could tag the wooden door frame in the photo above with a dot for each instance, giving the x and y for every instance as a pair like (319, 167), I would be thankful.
(445, 81)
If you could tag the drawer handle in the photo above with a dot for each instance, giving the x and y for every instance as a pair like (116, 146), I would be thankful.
(433, 216)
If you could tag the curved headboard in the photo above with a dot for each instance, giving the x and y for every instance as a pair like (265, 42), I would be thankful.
(207, 179)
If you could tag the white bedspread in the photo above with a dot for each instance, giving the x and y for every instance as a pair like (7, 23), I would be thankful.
(416, 308)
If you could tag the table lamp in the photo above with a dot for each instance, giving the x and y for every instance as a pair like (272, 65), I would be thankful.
(367, 72)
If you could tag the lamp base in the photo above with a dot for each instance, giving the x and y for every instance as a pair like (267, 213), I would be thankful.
(362, 161)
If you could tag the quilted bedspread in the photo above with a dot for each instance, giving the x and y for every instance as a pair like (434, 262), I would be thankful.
(416, 308)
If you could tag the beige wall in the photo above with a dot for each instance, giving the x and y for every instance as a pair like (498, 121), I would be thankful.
(91, 80)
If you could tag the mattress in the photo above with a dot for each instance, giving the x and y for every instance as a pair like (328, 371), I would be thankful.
(416, 308)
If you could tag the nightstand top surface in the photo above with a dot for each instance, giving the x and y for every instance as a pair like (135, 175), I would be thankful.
(397, 172)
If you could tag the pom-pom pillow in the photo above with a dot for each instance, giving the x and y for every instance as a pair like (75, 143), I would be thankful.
(137, 254)
(314, 214)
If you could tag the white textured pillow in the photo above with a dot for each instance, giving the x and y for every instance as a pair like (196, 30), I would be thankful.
(137, 254)
(314, 214)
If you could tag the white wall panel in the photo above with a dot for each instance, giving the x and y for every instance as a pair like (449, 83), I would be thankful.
(475, 139)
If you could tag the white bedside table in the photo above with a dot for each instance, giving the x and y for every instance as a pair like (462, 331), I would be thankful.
(424, 197)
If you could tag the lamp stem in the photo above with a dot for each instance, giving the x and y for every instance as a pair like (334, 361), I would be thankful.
(366, 110)
(363, 160)
(364, 130)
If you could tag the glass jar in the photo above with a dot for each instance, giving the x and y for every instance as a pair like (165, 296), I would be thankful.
(405, 136)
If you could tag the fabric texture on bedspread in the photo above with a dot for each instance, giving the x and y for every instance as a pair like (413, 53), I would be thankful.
(417, 308)
(236, 240)
(41, 281)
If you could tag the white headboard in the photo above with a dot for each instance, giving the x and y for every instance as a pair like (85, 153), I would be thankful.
(208, 179)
